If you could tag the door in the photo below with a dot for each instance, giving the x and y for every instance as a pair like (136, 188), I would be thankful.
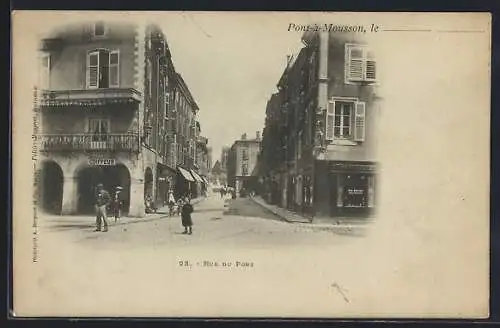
(99, 130)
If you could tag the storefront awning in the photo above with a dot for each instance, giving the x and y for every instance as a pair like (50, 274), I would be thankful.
(205, 181)
(186, 174)
(197, 176)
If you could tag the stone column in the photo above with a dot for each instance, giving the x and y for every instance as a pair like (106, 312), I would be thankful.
(137, 207)
(70, 196)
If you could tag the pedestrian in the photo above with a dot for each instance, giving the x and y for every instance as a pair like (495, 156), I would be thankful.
(180, 203)
(171, 202)
(187, 221)
(117, 203)
(102, 201)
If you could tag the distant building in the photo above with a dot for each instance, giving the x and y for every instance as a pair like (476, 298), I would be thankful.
(224, 158)
(242, 160)
(219, 176)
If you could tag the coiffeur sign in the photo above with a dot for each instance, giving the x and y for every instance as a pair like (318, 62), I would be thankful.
(101, 161)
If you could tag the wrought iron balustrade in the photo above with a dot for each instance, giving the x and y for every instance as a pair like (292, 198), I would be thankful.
(88, 142)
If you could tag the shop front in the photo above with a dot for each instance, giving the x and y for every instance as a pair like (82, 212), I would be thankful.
(347, 189)
(184, 183)
(107, 172)
(166, 181)
(197, 185)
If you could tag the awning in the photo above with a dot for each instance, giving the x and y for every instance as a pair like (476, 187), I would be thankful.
(186, 174)
(196, 176)
(205, 181)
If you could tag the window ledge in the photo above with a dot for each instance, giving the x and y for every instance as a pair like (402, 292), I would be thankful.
(343, 143)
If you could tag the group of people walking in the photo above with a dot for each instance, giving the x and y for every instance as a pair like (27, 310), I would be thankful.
(104, 202)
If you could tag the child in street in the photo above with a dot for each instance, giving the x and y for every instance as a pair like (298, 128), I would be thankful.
(187, 221)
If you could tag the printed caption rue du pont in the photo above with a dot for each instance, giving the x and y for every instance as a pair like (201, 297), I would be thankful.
(216, 264)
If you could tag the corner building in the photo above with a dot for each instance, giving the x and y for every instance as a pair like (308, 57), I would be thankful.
(320, 140)
(106, 96)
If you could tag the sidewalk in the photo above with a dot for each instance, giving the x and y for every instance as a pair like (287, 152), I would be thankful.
(88, 221)
(316, 223)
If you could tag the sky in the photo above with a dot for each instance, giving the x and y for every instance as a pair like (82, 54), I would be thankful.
(231, 64)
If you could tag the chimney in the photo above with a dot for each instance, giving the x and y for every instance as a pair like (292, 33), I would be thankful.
(244, 136)
(257, 135)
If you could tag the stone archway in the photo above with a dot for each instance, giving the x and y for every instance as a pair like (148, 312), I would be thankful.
(111, 177)
(51, 183)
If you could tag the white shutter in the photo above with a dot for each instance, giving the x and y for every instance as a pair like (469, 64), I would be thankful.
(330, 120)
(359, 122)
(371, 72)
(114, 69)
(355, 63)
(93, 70)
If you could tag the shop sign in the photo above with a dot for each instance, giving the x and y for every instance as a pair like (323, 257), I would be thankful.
(101, 161)
(354, 191)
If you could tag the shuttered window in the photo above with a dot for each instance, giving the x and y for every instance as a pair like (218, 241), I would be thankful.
(360, 64)
(93, 70)
(359, 122)
(114, 69)
(345, 120)
(371, 67)
(356, 63)
(103, 69)
(330, 114)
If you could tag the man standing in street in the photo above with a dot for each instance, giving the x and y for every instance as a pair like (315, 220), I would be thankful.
(102, 201)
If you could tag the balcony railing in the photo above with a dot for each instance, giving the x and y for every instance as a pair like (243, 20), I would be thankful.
(89, 142)
(89, 97)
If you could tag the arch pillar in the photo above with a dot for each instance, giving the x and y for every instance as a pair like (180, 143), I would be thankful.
(70, 195)
(137, 207)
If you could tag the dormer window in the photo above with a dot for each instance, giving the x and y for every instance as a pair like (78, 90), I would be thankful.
(99, 29)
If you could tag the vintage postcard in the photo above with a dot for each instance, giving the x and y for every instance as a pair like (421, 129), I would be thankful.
(251, 164)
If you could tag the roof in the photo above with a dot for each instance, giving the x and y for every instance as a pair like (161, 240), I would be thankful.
(185, 90)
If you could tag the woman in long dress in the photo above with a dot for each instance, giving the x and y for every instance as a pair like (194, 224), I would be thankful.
(187, 221)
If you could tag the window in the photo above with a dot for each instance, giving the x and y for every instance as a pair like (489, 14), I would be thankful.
(360, 64)
(99, 29)
(150, 76)
(244, 169)
(103, 69)
(44, 78)
(299, 146)
(345, 120)
(244, 154)
(313, 68)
